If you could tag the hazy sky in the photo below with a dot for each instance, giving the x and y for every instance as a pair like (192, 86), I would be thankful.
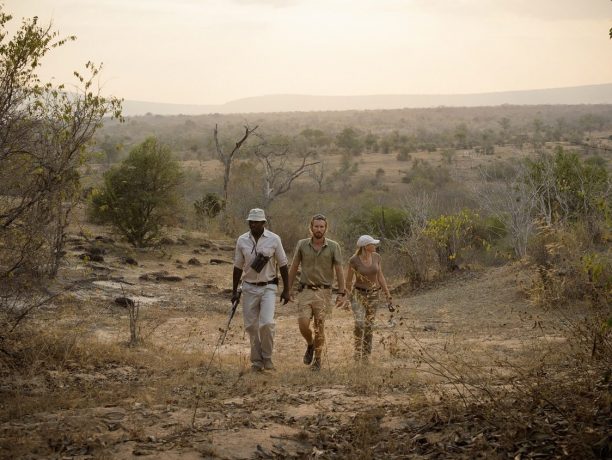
(213, 51)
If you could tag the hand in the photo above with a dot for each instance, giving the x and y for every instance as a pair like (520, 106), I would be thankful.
(235, 296)
(285, 296)
(340, 299)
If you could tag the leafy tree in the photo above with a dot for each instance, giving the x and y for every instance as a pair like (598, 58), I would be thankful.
(44, 136)
(315, 138)
(568, 189)
(461, 135)
(371, 142)
(140, 196)
(349, 141)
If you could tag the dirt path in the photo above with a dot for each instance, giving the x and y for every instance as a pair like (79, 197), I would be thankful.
(473, 322)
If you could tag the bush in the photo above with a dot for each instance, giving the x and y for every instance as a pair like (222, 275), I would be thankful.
(569, 189)
(209, 206)
(424, 175)
(379, 221)
(568, 268)
(45, 131)
(452, 234)
(139, 196)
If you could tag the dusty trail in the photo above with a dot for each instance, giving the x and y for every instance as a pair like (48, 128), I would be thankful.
(129, 409)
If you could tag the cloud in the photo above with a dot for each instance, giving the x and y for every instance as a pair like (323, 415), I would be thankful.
(269, 3)
(544, 10)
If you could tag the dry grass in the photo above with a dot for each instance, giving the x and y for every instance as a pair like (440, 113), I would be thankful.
(468, 368)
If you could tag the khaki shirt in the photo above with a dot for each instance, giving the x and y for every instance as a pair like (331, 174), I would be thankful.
(366, 277)
(317, 267)
(247, 249)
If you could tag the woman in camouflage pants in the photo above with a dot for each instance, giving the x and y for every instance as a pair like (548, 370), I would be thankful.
(365, 266)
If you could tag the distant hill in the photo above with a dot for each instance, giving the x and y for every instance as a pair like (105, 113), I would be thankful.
(592, 94)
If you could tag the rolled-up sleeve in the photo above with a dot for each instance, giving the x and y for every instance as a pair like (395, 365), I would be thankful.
(279, 253)
(238, 256)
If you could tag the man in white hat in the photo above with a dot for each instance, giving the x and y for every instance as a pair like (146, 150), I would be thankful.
(259, 254)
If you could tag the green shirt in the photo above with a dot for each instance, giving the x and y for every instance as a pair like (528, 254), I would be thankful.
(317, 266)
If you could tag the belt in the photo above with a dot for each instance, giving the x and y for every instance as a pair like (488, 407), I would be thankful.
(314, 287)
(366, 290)
(264, 283)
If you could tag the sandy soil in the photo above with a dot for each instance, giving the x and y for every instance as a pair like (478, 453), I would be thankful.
(472, 324)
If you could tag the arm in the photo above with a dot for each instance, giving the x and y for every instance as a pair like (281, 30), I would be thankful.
(383, 283)
(295, 263)
(286, 294)
(236, 275)
(348, 283)
(341, 289)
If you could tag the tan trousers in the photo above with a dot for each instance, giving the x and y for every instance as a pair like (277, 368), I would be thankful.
(315, 305)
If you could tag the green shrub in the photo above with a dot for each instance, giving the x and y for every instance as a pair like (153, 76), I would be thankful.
(568, 188)
(379, 221)
(209, 206)
(424, 175)
(140, 196)
(452, 234)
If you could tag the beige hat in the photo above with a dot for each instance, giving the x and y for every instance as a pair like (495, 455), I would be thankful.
(257, 215)
(364, 240)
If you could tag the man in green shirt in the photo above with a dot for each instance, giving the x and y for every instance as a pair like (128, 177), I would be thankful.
(319, 258)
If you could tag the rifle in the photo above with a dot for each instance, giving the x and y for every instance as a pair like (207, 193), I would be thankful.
(219, 343)
(231, 315)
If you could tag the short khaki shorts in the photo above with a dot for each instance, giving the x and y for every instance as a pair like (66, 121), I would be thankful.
(314, 303)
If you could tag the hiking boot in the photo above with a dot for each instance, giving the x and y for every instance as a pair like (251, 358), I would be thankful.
(257, 366)
(309, 354)
(316, 365)
(269, 365)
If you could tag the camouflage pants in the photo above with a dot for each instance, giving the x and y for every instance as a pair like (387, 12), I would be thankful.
(364, 305)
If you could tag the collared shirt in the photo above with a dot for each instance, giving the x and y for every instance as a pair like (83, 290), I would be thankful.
(317, 266)
(269, 244)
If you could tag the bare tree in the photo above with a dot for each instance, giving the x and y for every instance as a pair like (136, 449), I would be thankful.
(514, 200)
(228, 158)
(279, 170)
(318, 174)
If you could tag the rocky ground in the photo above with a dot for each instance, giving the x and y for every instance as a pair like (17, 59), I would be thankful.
(444, 368)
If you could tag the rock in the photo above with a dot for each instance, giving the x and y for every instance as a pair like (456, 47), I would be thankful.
(160, 276)
(125, 302)
(129, 261)
(173, 278)
(219, 261)
(167, 241)
(194, 261)
(104, 239)
(96, 251)
(197, 251)
(226, 247)
(91, 257)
